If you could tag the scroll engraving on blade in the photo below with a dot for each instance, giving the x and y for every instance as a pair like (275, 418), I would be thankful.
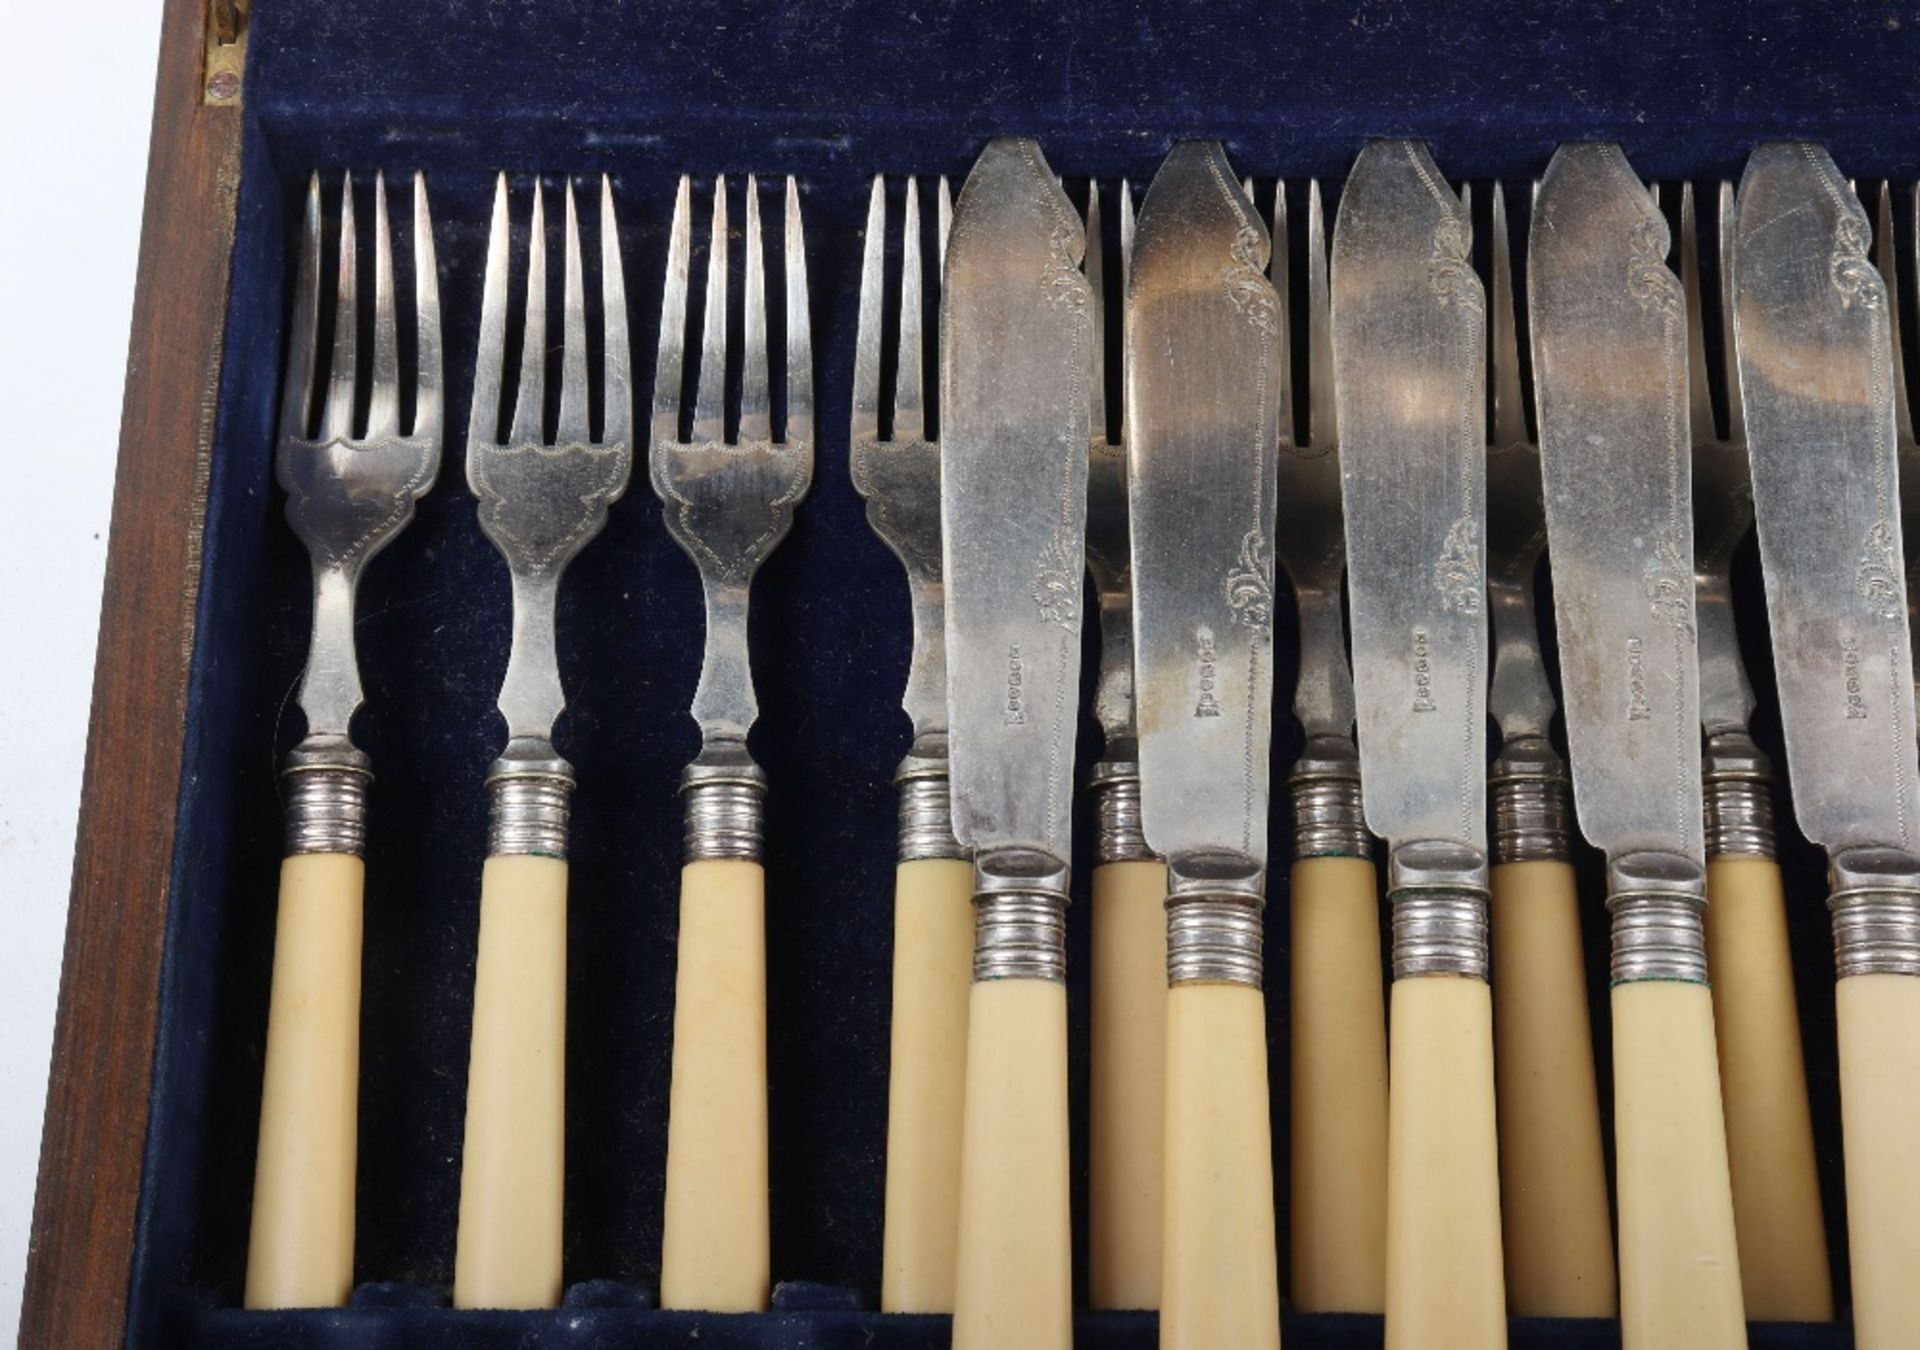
(1815, 362)
(1013, 499)
(1204, 447)
(1409, 334)
(1617, 458)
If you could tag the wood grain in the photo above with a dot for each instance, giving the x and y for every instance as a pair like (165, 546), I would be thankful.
(79, 1257)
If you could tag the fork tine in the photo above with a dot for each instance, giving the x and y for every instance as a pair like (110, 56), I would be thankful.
(909, 387)
(1729, 354)
(529, 405)
(483, 426)
(756, 419)
(1126, 279)
(574, 426)
(296, 395)
(1885, 255)
(616, 415)
(427, 395)
(1323, 417)
(1509, 402)
(1277, 274)
(946, 228)
(383, 408)
(866, 344)
(709, 404)
(1699, 397)
(1096, 269)
(799, 327)
(669, 366)
(337, 422)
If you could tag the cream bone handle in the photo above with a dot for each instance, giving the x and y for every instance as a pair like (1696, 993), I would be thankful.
(1013, 1277)
(926, 1083)
(1679, 1259)
(1555, 1213)
(1127, 1073)
(1338, 1100)
(1445, 1285)
(1220, 1271)
(300, 1248)
(1876, 938)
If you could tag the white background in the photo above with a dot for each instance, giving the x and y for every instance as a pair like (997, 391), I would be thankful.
(75, 109)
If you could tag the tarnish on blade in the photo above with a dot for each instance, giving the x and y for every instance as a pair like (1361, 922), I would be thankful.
(1204, 348)
(1810, 314)
(1610, 376)
(1409, 344)
(1016, 342)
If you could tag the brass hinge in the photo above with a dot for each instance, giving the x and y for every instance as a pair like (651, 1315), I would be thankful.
(226, 52)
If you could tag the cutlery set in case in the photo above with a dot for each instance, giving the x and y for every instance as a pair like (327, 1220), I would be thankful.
(772, 1024)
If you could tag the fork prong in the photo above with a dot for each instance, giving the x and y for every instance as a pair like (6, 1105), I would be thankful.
(1886, 257)
(483, 425)
(799, 326)
(427, 395)
(574, 427)
(709, 404)
(756, 417)
(1699, 397)
(946, 228)
(337, 422)
(616, 414)
(383, 407)
(1126, 281)
(1277, 269)
(1729, 354)
(1509, 402)
(1323, 417)
(669, 366)
(909, 387)
(529, 405)
(866, 345)
(1096, 269)
(296, 394)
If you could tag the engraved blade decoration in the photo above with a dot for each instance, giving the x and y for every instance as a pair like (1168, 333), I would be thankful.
(1016, 339)
(1810, 318)
(1409, 335)
(1203, 351)
(1610, 376)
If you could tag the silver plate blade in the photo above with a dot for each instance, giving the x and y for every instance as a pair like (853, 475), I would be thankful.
(1203, 352)
(1409, 343)
(1810, 315)
(1610, 378)
(1016, 343)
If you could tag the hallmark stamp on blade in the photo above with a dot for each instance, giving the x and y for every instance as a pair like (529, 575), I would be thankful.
(1208, 703)
(1850, 674)
(1016, 705)
(1423, 673)
(1639, 709)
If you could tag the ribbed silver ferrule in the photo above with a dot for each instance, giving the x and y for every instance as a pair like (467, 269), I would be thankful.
(926, 810)
(1738, 796)
(1531, 800)
(1329, 820)
(1658, 936)
(726, 810)
(1439, 930)
(530, 812)
(1118, 837)
(1876, 932)
(1214, 939)
(1019, 916)
(326, 783)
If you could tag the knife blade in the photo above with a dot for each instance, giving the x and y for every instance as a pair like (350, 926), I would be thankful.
(1016, 357)
(1812, 321)
(1409, 333)
(1610, 379)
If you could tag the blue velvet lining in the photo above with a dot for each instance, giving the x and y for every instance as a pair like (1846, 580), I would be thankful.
(832, 91)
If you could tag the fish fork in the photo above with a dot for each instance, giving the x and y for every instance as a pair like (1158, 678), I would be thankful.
(1339, 1025)
(540, 502)
(728, 504)
(1553, 1180)
(1778, 1221)
(899, 476)
(350, 491)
